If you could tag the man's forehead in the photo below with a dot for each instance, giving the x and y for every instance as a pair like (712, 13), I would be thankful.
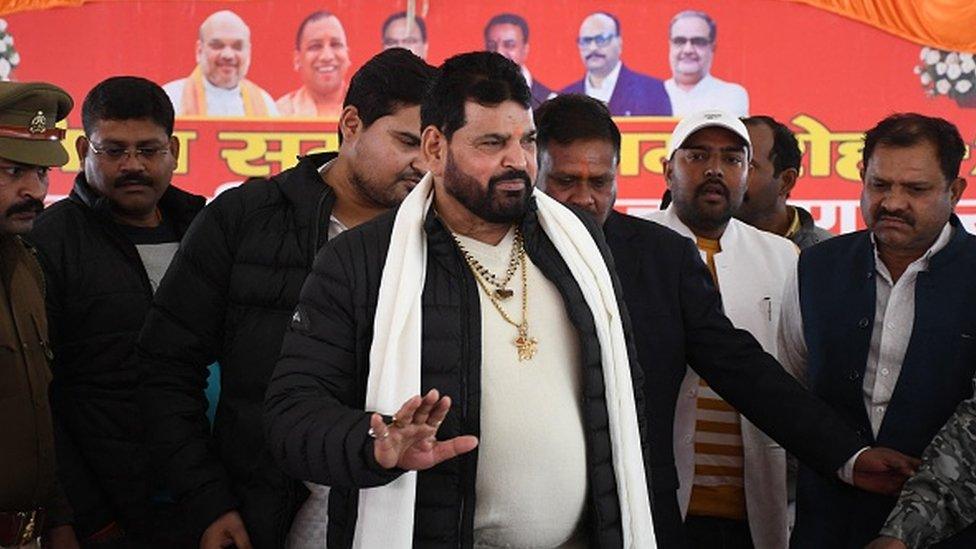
(327, 26)
(503, 31)
(581, 150)
(399, 27)
(505, 113)
(690, 25)
(597, 22)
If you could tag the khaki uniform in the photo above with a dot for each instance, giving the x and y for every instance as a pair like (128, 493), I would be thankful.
(27, 461)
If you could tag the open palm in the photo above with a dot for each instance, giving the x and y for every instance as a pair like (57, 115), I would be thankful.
(410, 442)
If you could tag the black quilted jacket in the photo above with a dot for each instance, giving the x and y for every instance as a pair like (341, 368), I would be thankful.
(227, 297)
(98, 295)
(314, 416)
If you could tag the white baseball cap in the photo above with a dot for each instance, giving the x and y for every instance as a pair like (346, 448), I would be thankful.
(707, 119)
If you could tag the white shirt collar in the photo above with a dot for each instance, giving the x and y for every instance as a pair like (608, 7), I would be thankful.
(920, 264)
(672, 86)
(527, 75)
(218, 91)
(605, 91)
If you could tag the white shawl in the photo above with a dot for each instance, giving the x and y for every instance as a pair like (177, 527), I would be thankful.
(386, 513)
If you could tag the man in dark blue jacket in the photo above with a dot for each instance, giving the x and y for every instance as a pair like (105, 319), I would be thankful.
(625, 92)
(879, 323)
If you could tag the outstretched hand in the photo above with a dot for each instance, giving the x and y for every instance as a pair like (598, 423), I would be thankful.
(410, 441)
(885, 542)
(883, 470)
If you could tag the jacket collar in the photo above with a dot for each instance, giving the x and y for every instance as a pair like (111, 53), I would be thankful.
(617, 224)
(176, 204)
(955, 245)
(303, 185)
(729, 237)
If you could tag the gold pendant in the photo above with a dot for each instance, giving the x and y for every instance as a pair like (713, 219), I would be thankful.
(526, 345)
(504, 293)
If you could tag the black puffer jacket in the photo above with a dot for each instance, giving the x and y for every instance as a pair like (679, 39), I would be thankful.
(98, 295)
(227, 297)
(317, 428)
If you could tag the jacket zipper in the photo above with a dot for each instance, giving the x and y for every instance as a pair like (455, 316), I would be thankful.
(316, 231)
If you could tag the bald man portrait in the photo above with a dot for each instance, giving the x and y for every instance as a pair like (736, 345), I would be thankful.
(217, 86)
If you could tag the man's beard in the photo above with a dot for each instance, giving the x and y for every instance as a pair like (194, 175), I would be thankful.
(698, 218)
(383, 195)
(491, 204)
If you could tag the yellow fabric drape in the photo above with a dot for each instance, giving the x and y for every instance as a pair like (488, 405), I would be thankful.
(944, 24)
(13, 6)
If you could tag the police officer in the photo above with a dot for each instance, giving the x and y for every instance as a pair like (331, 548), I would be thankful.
(32, 504)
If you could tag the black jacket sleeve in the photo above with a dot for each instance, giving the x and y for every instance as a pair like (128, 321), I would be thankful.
(181, 337)
(753, 382)
(74, 473)
(314, 420)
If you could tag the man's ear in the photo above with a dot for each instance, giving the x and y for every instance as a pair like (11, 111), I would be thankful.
(349, 123)
(668, 168)
(434, 148)
(174, 148)
(956, 189)
(787, 180)
(81, 147)
(861, 169)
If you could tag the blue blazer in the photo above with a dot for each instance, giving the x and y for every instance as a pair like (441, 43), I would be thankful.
(635, 94)
(837, 302)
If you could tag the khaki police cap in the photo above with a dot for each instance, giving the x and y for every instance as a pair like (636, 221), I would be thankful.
(28, 112)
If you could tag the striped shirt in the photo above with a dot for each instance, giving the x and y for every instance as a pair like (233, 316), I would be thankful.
(718, 488)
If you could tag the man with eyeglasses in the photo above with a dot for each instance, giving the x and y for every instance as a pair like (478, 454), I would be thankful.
(625, 92)
(400, 32)
(508, 34)
(32, 503)
(692, 88)
(104, 250)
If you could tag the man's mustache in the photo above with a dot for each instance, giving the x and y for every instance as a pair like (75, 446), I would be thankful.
(712, 184)
(882, 213)
(129, 180)
(510, 176)
(27, 205)
(595, 54)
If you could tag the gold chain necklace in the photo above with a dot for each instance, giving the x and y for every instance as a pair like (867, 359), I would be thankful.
(501, 291)
(525, 344)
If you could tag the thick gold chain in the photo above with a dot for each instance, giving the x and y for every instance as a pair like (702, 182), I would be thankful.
(526, 345)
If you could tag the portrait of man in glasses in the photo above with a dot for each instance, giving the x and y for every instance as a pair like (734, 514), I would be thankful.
(691, 87)
(625, 92)
(104, 250)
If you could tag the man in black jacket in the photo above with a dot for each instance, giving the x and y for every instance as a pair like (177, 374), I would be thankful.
(495, 321)
(232, 288)
(104, 250)
(678, 320)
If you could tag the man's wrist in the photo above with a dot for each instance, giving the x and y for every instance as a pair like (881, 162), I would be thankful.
(846, 472)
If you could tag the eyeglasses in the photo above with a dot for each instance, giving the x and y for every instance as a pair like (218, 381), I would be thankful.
(395, 42)
(696, 41)
(116, 153)
(599, 40)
